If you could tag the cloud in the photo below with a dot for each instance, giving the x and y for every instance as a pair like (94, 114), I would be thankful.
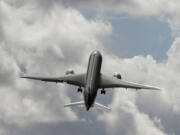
(168, 11)
(42, 43)
(127, 119)
(164, 10)
(45, 37)
(146, 112)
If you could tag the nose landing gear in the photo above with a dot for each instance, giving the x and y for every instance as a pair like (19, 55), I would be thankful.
(103, 91)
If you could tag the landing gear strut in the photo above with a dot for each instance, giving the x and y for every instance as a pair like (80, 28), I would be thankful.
(79, 89)
(103, 91)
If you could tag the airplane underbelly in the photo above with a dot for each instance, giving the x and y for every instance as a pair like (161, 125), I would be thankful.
(89, 97)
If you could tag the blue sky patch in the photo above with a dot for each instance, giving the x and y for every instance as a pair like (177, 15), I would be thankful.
(133, 36)
(142, 36)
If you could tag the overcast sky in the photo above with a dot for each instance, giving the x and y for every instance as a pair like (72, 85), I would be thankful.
(137, 38)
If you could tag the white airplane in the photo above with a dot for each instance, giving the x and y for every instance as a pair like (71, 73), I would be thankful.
(91, 81)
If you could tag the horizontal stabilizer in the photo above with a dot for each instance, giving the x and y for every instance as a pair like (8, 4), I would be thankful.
(78, 104)
(82, 104)
(102, 107)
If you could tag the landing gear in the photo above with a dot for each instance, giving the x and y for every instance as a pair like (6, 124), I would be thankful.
(79, 89)
(103, 91)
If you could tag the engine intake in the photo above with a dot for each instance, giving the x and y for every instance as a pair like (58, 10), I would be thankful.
(117, 75)
(69, 71)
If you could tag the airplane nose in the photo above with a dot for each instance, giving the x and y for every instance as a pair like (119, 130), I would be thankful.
(96, 52)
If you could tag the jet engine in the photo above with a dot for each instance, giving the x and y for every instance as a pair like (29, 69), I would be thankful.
(69, 71)
(117, 75)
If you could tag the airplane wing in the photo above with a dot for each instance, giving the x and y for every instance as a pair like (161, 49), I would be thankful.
(112, 82)
(75, 79)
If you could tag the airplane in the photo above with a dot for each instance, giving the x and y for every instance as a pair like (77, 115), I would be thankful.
(90, 82)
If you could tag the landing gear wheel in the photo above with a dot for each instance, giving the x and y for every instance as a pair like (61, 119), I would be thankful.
(79, 90)
(103, 91)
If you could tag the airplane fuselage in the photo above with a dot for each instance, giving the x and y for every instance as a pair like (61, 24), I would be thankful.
(92, 78)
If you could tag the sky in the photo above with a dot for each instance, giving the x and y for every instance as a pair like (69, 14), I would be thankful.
(137, 36)
(138, 39)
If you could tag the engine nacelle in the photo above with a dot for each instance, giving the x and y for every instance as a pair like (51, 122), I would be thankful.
(69, 71)
(117, 75)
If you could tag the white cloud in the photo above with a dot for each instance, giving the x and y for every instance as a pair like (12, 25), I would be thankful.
(39, 42)
(138, 112)
(127, 119)
(166, 9)
(32, 36)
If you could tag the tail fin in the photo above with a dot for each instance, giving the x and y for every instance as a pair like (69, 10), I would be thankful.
(81, 104)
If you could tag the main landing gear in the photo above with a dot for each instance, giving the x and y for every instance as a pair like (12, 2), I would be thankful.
(79, 90)
(103, 91)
